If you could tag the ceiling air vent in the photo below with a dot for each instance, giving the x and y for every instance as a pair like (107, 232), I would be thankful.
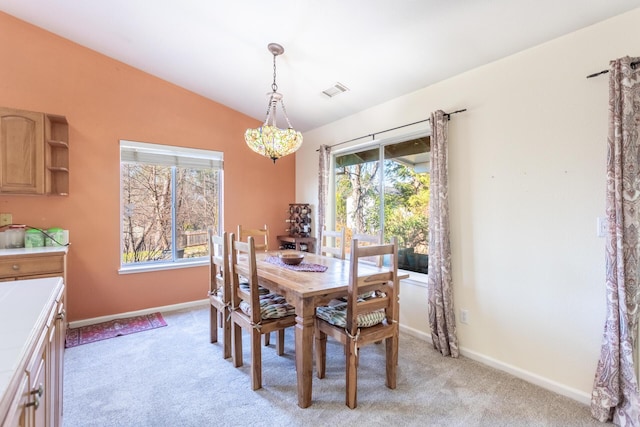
(334, 90)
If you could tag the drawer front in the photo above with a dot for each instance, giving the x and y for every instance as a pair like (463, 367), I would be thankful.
(31, 266)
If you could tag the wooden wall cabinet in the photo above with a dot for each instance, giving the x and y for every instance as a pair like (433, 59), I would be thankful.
(34, 153)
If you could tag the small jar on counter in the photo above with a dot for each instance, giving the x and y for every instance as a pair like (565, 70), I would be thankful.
(33, 238)
(15, 236)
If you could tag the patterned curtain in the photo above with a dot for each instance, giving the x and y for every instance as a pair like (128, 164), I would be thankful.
(440, 289)
(615, 391)
(323, 186)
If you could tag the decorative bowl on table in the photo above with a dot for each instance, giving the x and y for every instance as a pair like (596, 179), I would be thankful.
(291, 258)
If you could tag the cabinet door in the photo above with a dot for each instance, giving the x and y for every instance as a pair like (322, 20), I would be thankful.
(17, 415)
(21, 151)
(37, 372)
(58, 335)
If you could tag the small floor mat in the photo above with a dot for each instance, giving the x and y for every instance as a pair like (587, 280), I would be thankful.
(113, 328)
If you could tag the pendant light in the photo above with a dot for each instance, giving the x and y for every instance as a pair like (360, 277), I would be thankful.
(268, 140)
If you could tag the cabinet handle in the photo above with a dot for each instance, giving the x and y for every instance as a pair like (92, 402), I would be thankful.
(15, 267)
(35, 403)
(38, 392)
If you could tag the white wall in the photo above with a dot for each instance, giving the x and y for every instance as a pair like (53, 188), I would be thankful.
(527, 182)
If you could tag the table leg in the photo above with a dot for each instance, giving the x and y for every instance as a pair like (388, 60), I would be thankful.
(304, 352)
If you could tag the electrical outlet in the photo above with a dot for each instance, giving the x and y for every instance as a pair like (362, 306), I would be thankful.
(6, 219)
(602, 225)
(464, 316)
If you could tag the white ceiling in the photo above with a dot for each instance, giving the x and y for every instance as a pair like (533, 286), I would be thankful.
(379, 49)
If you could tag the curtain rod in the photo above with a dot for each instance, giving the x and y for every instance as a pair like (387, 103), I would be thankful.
(447, 115)
(633, 65)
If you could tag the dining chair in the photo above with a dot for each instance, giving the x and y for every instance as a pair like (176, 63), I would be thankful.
(370, 239)
(258, 315)
(358, 322)
(261, 241)
(219, 290)
(329, 244)
(260, 235)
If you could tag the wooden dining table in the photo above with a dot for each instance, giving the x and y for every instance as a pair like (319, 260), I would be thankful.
(306, 290)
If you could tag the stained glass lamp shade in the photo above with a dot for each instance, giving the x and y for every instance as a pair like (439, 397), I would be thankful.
(269, 140)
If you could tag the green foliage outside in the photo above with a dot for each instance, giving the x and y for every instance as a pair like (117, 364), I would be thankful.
(406, 203)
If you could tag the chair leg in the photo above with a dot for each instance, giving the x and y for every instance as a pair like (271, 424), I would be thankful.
(352, 375)
(213, 323)
(321, 352)
(226, 334)
(391, 344)
(280, 343)
(237, 345)
(256, 360)
(267, 340)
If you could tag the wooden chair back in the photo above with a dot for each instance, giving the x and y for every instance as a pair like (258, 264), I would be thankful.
(219, 264)
(243, 264)
(260, 236)
(384, 284)
(369, 239)
(330, 244)
(219, 289)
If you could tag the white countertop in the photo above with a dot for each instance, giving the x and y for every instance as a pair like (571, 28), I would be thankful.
(24, 305)
(27, 251)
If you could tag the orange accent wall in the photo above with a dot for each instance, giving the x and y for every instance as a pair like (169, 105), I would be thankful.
(104, 101)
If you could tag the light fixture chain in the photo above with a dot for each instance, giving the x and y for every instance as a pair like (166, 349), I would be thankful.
(274, 86)
(286, 116)
(269, 106)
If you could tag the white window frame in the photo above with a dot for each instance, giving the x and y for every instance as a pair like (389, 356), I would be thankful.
(167, 155)
(419, 279)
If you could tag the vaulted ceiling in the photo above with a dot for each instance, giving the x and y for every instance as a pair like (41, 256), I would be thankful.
(378, 49)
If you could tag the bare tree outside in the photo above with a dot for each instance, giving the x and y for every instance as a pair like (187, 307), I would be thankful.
(149, 213)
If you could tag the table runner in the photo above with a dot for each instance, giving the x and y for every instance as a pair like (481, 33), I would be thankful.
(303, 266)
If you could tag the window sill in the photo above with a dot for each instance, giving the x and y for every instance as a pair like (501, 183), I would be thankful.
(416, 279)
(161, 267)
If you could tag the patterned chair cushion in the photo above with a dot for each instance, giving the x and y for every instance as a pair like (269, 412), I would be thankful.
(337, 316)
(272, 306)
(244, 285)
(365, 296)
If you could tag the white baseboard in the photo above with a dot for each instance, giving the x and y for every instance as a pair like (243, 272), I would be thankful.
(530, 377)
(536, 379)
(173, 307)
(416, 333)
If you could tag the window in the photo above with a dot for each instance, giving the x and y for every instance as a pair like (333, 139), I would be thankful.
(384, 188)
(170, 197)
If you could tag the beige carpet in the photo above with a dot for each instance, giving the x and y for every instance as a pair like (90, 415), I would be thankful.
(173, 376)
